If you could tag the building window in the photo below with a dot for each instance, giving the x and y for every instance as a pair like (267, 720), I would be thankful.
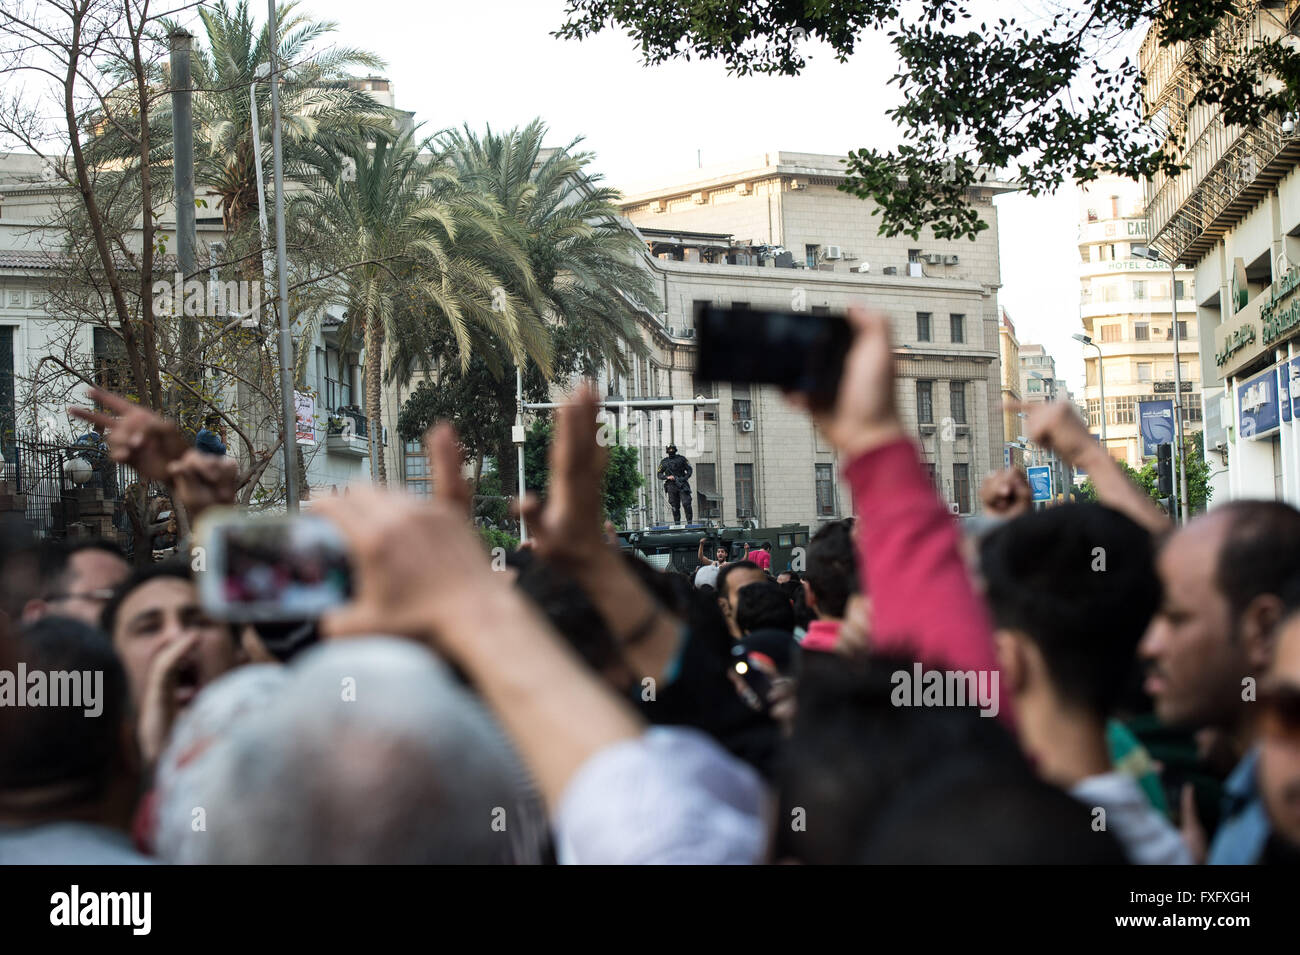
(741, 408)
(1179, 291)
(925, 402)
(1140, 290)
(810, 255)
(825, 490)
(1111, 333)
(958, 324)
(961, 487)
(913, 255)
(933, 474)
(1182, 331)
(338, 380)
(1144, 371)
(111, 370)
(744, 490)
(1141, 331)
(415, 469)
(704, 389)
(923, 326)
(957, 401)
(706, 492)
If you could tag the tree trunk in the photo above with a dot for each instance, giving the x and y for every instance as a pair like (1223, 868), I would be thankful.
(374, 393)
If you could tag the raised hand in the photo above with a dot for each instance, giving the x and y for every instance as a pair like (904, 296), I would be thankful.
(135, 435)
(864, 415)
(203, 480)
(567, 529)
(1057, 427)
(1006, 493)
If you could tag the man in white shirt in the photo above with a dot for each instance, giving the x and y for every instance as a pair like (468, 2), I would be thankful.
(707, 575)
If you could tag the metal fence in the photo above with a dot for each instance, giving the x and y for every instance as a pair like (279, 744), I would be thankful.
(41, 471)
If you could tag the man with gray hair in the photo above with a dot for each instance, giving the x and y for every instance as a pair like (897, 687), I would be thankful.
(370, 753)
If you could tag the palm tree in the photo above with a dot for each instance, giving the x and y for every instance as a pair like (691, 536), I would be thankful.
(416, 253)
(321, 116)
(588, 282)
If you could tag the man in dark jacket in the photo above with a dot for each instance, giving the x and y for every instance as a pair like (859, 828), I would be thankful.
(676, 473)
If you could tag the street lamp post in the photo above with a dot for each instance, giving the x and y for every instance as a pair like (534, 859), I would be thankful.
(1146, 252)
(290, 422)
(1101, 381)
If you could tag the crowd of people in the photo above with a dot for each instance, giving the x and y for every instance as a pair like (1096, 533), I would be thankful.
(1085, 683)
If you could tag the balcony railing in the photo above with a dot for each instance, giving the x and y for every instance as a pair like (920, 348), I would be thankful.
(1230, 168)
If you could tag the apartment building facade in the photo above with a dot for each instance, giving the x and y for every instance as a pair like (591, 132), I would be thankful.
(1127, 306)
(33, 393)
(1013, 431)
(775, 231)
(1233, 218)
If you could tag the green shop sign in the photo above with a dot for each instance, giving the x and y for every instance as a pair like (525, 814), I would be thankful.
(1234, 342)
(1276, 320)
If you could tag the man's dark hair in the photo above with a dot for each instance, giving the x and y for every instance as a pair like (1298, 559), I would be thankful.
(570, 611)
(60, 746)
(55, 556)
(763, 606)
(725, 572)
(832, 570)
(1080, 582)
(1260, 553)
(176, 567)
(942, 782)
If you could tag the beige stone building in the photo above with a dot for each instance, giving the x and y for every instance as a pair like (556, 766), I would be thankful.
(1233, 218)
(775, 231)
(1013, 432)
(1127, 305)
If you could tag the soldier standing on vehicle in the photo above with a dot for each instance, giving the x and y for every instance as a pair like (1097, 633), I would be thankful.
(676, 473)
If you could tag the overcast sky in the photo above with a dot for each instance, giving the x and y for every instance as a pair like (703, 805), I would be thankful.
(494, 62)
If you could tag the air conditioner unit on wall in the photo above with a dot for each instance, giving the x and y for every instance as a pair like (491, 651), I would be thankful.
(657, 205)
(743, 188)
(747, 424)
(890, 270)
(934, 258)
(834, 252)
(951, 259)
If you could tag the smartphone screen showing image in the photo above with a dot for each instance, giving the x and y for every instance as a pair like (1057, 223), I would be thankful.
(796, 351)
(273, 568)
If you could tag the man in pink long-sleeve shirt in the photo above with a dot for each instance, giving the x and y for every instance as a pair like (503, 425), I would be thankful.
(924, 605)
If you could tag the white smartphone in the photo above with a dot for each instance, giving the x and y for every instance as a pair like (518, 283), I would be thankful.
(258, 568)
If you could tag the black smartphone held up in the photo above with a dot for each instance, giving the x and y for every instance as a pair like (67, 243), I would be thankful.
(796, 351)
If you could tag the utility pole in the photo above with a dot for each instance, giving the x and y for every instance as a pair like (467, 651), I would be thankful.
(183, 173)
(290, 422)
(1178, 395)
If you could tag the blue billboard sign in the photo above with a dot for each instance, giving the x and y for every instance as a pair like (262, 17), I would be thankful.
(1258, 412)
(1155, 424)
(1040, 482)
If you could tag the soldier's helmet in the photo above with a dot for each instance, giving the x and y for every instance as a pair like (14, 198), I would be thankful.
(672, 449)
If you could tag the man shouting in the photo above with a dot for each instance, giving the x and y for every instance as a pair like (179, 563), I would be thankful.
(676, 473)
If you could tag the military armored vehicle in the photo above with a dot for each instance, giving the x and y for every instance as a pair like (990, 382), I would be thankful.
(676, 546)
